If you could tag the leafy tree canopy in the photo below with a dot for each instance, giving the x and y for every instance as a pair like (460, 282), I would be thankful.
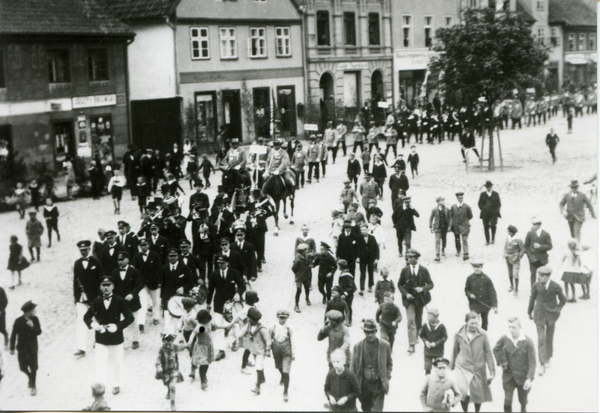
(488, 54)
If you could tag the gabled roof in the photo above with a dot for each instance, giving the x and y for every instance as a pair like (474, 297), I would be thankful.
(572, 13)
(59, 17)
(524, 11)
(142, 9)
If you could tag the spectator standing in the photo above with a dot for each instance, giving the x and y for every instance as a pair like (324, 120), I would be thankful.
(537, 244)
(514, 249)
(572, 206)
(24, 335)
(489, 204)
(552, 141)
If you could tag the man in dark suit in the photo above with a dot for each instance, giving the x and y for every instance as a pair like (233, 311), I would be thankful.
(516, 356)
(87, 271)
(439, 222)
(158, 243)
(404, 222)
(149, 265)
(537, 244)
(108, 257)
(199, 199)
(489, 204)
(368, 254)
(552, 140)
(177, 280)
(247, 253)
(353, 170)
(128, 283)
(109, 315)
(347, 248)
(190, 260)
(235, 260)
(572, 206)
(224, 284)
(546, 302)
(460, 217)
(127, 239)
(414, 284)
(481, 293)
(222, 218)
(24, 334)
(398, 182)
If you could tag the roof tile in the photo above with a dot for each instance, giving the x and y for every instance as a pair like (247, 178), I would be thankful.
(572, 13)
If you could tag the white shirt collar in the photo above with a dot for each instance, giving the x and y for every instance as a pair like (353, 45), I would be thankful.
(520, 338)
(538, 232)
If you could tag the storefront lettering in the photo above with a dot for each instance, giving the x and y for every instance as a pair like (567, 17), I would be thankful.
(93, 101)
(353, 65)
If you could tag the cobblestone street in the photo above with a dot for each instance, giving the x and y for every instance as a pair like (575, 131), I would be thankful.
(530, 185)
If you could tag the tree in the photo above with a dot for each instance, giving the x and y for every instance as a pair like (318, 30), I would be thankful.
(489, 54)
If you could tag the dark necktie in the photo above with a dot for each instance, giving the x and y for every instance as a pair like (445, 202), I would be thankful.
(107, 298)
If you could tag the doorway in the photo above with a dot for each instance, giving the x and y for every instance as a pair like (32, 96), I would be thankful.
(232, 114)
(351, 89)
(262, 112)
(102, 138)
(64, 144)
(326, 86)
(286, 100)
(377, 92)
(206, 121)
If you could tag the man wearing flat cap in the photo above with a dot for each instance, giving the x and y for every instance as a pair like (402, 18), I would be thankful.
(148, 263)
(354, 169)
(109, 315)
(24, 337)
(177, 279)
(302, 269)
(398, 181)
(128, 284)
(235, 260)
(489, 204)
(372, 364)
(109, 255)
(337, 333)
(460, 216)
(545, 304)
(439, 221)
(440, 392)
(327, 264)
(368, 189)
(481, 293)
(537, 244)
(404, 222)
(127, 239)
(347, 248)
(572, 206)
(414, 284)
(87, 271)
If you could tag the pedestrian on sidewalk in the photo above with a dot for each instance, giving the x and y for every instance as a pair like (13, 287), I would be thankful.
(24, 335)
(515, 353)
(327, 264)
(481, 293)
(358, 132)
(489, 204)
(283, 349)
(514, 249)
(34, 230)
(413, 160)
(201, 345)
(70, 172)
(51, 216)
(341, 130)
(365, 156)
(439, 222)
(109, 315)
(552, 141)
(537, 244)
(383, 286)
(434, 335)
(338, 303)
(257, 339)
(398, 182)
(302, 269)
(368, 257)
(206, 167)
(115, 187)
(313, 155)
(341, 385)
(379, 173)
(440, 392)
(192, 171)
(460, 215)
(388, 316)
(545, 304)
(16, 261)
(34, 190)
(167, 366)
(100, 404)
(572, 269)
(572, 206)
(353, 170)
(348, 286)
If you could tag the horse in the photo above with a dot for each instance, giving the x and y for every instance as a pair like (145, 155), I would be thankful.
(280, 191)
(232, 180)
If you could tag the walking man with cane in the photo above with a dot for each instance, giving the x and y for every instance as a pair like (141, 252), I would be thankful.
(481, 293)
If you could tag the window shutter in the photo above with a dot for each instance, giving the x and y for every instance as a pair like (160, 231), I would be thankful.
(250, 48)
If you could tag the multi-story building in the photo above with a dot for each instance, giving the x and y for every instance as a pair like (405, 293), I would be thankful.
(415, 23)
(573, 41)
(63, 80)
(348, 51)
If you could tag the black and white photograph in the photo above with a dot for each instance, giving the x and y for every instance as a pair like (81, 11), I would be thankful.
(299, 205)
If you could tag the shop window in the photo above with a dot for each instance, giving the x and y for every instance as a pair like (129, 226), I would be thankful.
(374, 32)
(349, 29)
(428, 25)
(571, 42)
(323, 28)
(540, 5)
(97, 64)
(58, 65)
(283, 41)
(102, 137)
(257, 43)
(554, 38)
(406, 30)
(199, 43)
(581, 45)
(2, 77)
(592, 41)
(63, 140)
(228, 42)
(541, 33)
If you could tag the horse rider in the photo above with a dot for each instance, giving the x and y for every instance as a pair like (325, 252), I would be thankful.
(236, 161)
(279, 165)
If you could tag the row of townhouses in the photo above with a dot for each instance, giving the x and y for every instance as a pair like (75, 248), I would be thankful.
(89, 77)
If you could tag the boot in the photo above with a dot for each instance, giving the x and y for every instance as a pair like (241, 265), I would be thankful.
(297, 309)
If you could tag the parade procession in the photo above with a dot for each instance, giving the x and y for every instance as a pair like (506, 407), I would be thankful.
(298, 205)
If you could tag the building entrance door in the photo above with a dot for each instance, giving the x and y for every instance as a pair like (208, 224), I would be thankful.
(232, 114)
(206, 121)
(262, 112)
(351, 89)
(286, 100)
(64, 144)
(102, 137)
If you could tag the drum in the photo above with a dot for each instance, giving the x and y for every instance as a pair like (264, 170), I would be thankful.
(175, 306)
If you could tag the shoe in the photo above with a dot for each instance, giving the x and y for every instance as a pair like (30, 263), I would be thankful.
(250, 363)
(487, 243)
(516, 293)
(308, 302)
(324, 300)
(33, 391)
(204, 385)
(135, 345)
(246, 370)
(285, 397)
(116, 390)
(510, 289)
(79, 353)
(583, 297)
(49, 245)
(370, 291)
(155, 322)
(493, 241)
(411, 349)
(443, 254)
(141, 328)
(466, 258)
(260, 270)
(437, 259)
(361, 293)
(572, 300)
(297, 309)
(458, 254)
(168, 396)
(253, 279)
(400, 255)
(220, 356)
(542, 370)
(192, 374)
(256, 390)
(234, 346)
